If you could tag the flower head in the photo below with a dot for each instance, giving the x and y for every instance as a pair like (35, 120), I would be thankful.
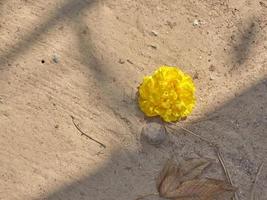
(168, 93)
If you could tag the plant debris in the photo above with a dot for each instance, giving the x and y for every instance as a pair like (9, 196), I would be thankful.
(218, 152)
(183, 182)
(173, 175)
(83, 133)
(252, 195)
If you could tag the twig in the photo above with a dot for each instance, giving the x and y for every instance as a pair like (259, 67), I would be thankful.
(252, 194)
(196, 135)
(226, 172)
(219, 154)
(147, 195)
(129, 61)
(86, 135)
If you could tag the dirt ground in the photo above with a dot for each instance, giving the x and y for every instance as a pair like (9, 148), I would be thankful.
(85, 58)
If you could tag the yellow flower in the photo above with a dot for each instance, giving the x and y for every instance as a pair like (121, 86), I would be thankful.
(168, 93)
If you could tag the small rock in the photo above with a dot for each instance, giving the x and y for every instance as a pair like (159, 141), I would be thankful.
(154, 33)
(154, 133)
(55, 58)
(212, 77)
(196, 22)
(121, 61)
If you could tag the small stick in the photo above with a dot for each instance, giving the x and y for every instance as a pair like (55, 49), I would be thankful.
(226, 172)
(194, 134)
(86, 135)
(219, 154)
(129, 61)
(147, 195)
(252, 194)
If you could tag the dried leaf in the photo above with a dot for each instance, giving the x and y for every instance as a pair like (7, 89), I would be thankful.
(168, 179)
(193, 168)
(182, 182)
(172, 176)
(204, 189)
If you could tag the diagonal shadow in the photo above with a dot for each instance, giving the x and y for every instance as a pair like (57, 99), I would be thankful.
(68, 10)
(239, 127)
(114, 96)
(243, 42)
(122, 177)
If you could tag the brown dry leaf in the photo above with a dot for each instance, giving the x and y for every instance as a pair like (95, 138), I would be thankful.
(173, 175)
(204, 189)
(193, 168)
(182, 182)
(168, 179)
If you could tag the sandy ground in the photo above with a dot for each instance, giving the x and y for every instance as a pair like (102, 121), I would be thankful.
(86, 59)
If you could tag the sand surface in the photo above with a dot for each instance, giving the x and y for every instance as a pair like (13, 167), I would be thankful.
(85, 58)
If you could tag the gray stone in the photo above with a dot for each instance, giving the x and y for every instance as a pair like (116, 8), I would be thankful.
(55, 58)
(154, 133)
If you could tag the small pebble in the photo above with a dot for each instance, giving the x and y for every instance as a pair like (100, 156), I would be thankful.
(121, 61)
(196, 22)
(154, 133)
(212, 77)
(55, 58)
(154, 33)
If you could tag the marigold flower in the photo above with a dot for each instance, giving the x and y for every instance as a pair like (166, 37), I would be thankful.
(168, 93)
